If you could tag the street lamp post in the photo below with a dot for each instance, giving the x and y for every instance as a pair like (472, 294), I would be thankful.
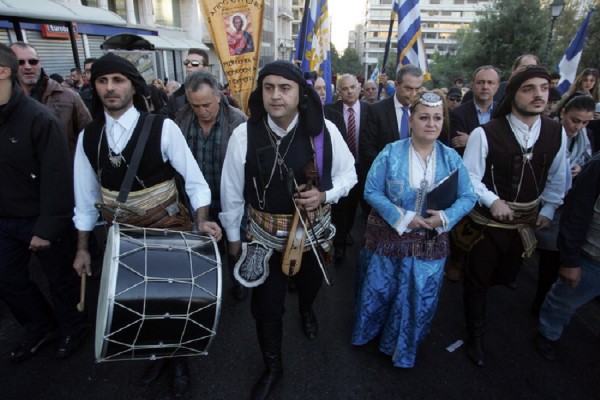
(555, 9)
(282, 49)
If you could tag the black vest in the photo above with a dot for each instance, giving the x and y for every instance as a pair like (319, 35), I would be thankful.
(152, 170)
(260, 158)
(504, 163)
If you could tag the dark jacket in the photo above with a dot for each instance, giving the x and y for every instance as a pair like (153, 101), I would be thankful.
(232, 117)
(463, 119)
(381, 129)
(67, 106)
(37, 177)
(175, 103)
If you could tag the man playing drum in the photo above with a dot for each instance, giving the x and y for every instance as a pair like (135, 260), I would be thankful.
(286, 137)
(105, 150)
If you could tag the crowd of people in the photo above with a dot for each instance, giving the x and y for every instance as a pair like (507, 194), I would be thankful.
(455, 183)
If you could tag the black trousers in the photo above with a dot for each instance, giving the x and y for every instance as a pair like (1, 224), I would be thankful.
(268, 299)
(23, 296)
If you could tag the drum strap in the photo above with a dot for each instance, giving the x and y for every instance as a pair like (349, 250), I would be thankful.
(135, 160)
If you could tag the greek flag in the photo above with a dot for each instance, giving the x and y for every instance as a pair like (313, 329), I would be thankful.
(567, 67)
(411, 49)
(375, 73)
(313, 48)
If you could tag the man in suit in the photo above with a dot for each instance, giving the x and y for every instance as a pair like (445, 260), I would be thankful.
(388, 118)
(476, 112)
(355, 113)
(463, 119)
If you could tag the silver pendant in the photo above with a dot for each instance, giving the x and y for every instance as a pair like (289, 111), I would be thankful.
(115, 160)
(424, 184)
(527, 156)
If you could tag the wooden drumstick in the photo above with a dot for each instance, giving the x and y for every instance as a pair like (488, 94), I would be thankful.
(81, 304)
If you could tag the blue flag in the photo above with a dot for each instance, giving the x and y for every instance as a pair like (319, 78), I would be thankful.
(375, 73)
(313, 50)
(567, 68)
(411, 49)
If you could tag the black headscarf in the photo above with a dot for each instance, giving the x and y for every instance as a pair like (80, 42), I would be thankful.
(310, 108)
(113, 64)
(514, 83)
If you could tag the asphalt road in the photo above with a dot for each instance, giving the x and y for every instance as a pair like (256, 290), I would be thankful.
(330, 367)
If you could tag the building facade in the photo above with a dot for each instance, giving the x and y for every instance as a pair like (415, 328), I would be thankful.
(440, 19)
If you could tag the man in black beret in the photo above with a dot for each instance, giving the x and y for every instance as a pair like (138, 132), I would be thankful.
(103, 154)
(517, 167)
(285, 137)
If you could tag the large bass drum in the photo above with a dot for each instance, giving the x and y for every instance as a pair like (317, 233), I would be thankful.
(160, 294)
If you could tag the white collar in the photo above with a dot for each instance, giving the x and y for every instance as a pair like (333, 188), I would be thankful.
(280, 131)
(397, 104)
(126, 120)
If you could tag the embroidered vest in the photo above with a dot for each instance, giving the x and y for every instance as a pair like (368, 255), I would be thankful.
(506, 172)
(152, 169)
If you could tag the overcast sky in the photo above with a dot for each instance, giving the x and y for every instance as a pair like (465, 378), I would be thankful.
(345, 14)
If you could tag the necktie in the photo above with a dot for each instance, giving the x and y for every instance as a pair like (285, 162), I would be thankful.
(352, 131)
(404, 129)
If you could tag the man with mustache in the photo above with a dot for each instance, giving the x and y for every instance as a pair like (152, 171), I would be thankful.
(103, 154)
(66, 104)
(517, 167)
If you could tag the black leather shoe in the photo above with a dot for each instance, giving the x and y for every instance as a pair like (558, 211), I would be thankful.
(475, 351)
(69, 344)
(309, 324)
(545, 347)
(181, 377)
(154, 371)
(29, 347)
(239, 292)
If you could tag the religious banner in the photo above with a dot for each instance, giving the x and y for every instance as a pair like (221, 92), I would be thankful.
(235, 27)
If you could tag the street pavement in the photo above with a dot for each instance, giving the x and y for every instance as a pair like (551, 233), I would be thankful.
(330, 367)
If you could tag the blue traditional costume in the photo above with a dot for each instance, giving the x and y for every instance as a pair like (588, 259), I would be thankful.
(399, 271)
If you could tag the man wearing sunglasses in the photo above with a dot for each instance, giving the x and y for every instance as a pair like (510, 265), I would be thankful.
(67, 105)
(454, 98)
(196, 60)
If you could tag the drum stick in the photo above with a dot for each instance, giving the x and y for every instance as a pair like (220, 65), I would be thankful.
(81, 304)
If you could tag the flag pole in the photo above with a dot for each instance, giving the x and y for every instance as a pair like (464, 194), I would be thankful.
(387, 51)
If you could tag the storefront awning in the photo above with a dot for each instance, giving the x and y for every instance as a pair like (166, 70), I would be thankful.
(127, 41)
(48, 10)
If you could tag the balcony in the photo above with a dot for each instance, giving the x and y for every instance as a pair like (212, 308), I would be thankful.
(285, 13)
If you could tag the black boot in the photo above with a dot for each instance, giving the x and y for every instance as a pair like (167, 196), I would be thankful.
(269, 338)
(475, 318)
(309, 324)
(181, 377)
(154, 371)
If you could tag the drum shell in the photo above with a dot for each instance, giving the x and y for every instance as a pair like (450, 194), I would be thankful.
(160, 294)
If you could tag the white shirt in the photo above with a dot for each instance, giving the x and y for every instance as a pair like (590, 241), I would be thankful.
(118, 133)
(343, 173)
(476, 153)
(400, 109)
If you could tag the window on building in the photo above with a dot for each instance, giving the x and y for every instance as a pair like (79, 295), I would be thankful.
(385, 1)
(459, 1)
(434, 1)
(166, 12)
(89, 3)
(447, 13)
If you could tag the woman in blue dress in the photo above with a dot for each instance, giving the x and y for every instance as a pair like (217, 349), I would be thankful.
(401, 264)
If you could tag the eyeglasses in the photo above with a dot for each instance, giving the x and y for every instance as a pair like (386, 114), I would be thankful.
(195, 63)
(454, 98)
(32, 61)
